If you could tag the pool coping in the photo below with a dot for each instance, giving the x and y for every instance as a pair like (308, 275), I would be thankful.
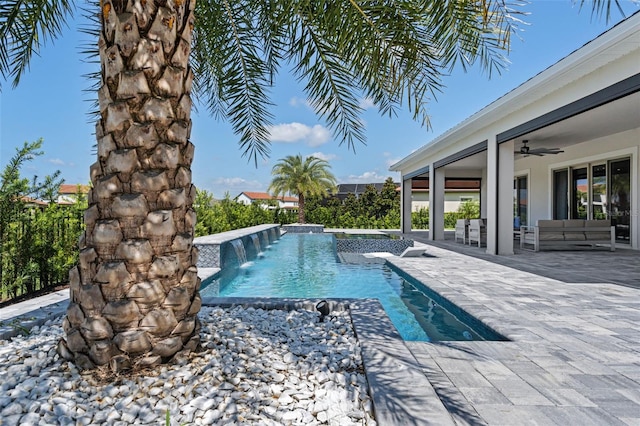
(392, 371)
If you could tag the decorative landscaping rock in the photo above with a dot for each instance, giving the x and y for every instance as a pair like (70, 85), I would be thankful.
(248, 373)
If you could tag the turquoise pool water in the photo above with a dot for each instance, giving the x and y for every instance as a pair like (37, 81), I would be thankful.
(306, 266)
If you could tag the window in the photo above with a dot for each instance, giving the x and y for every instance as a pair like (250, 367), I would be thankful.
(579, 194)
(561, 194)
(620, 198)
(595, 191)
(520, 201)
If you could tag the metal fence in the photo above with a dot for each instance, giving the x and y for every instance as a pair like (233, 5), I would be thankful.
(38, 247)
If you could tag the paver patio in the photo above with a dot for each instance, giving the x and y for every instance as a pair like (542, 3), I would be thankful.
(574, 354)
(574, 350)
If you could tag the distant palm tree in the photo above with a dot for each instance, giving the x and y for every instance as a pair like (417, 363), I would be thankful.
(135, 292)
(308, 177)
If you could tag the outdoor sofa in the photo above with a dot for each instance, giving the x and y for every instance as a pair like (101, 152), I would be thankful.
(568, 234)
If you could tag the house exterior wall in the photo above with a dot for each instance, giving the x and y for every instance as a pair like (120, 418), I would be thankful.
(600, 64)
(596, 151)
(452, 200)
(242, 198)
(268, 203)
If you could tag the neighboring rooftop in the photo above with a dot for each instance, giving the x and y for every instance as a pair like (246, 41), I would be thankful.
(265, 196)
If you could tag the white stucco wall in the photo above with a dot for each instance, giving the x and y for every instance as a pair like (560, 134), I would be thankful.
(452, 200)
(605, 61)
(597, 151)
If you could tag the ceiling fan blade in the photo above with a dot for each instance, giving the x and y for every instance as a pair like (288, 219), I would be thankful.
(526, 150)
(546, 150)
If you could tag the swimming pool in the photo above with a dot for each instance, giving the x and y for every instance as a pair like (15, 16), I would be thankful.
(306, 266)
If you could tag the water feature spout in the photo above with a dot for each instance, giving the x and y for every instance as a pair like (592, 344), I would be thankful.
(241, 253)
(256, 244)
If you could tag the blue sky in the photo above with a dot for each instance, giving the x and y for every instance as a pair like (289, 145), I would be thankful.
(52, 103)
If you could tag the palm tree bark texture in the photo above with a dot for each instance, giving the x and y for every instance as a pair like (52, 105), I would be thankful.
(135, 292)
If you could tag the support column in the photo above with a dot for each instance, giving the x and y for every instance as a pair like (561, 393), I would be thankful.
(436, 203)
(500, 197)
(484, 190)
(405, 206)
(492, 196)
(505, 198)
(634, 222)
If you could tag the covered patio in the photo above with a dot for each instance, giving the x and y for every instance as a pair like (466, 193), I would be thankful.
(563, 145)
(584, 266)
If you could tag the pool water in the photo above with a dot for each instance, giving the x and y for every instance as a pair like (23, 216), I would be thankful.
(306, 266)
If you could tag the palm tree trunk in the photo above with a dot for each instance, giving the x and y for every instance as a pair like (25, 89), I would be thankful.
(134, 293)
(301, 208)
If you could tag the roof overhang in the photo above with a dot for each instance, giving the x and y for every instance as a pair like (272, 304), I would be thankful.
(623, 40)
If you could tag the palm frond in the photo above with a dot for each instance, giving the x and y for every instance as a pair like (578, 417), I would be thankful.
(329, 85)
(298, 176)
(230, 65)
(25, 27)
(391, 51)
(600, 7)
(91, 53)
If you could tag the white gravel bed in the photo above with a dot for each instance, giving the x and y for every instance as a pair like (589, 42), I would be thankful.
(259, 367)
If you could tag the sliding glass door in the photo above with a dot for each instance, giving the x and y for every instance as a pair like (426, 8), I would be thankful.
(561, 194)
(520, 201)
(595, 191)
(620, 198)
(580, 196)
(598, 205)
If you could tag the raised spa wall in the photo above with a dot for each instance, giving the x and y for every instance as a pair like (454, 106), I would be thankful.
(371, 245)
(232, 248)
(226, 249)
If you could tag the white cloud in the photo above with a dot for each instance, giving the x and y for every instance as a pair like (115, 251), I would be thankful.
(391, 161)
(319, 135)
(234, 186)
(367, 177)
(237, 182)
(323, 156)
(298, 132)
(58, 162)
(298, 102)
(367, 103)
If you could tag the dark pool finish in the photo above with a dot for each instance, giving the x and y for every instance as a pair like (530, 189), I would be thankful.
(439, 317)
(306, 266)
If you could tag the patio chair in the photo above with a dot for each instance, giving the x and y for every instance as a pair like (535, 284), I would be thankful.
(477, 232)
(462, 230)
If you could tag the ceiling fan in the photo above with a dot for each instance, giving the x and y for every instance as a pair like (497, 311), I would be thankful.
(526, 150)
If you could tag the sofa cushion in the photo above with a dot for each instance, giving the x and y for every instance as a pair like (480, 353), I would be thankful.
(547, 234)
(575, 231)
(573, 223)
(551, 236)
(597, 223)
(548, 223)
(597, 235)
